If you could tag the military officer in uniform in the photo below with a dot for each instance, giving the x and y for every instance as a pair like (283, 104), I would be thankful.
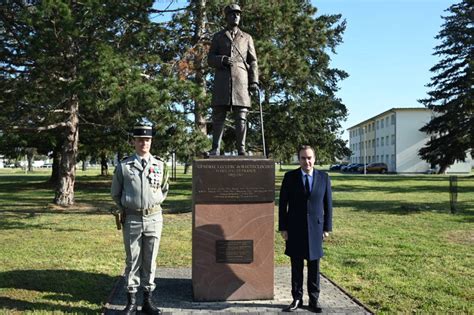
(232, 54)
(139, 186)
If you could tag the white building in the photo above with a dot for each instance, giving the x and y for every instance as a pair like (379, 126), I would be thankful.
(394, 137)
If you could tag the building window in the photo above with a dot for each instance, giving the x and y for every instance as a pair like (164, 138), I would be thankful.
(373, 143)
(393, 139)
(386, 140)
(381, 141)
(381, 124)
(377, 158)
(386, 121)
(393, 119)
(373, 126)
(377, 125)
(377, 142)
(386, 158)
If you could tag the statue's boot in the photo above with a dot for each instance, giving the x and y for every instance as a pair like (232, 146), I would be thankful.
(240, 130)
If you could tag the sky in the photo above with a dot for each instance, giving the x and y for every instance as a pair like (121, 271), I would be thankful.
(387, 52)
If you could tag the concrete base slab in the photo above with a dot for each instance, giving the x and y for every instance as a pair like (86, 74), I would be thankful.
(173, 294)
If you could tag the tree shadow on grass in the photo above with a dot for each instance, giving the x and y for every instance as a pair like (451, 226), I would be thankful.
(16, 225)
(181, 205)
(57, 287)
(181, 184)
(179, 198)
(464, 214)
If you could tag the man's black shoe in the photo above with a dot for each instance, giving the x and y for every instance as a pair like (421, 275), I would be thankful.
(314, 307)
(131, 308)
(148, 306)
(293, 306)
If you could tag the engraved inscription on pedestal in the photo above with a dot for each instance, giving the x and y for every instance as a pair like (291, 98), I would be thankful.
(226, 181)
(234, 251)
(233, 229)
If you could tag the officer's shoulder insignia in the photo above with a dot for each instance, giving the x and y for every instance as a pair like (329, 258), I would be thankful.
(127, 160)
(158, 159)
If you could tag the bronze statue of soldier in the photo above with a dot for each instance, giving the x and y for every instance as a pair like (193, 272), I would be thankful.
(232, 54)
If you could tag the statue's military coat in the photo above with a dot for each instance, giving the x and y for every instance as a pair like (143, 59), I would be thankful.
(231, 83)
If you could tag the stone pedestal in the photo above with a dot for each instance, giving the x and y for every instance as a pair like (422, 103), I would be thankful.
(233, 229)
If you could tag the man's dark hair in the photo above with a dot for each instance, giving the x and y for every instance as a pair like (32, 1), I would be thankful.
(305, 147)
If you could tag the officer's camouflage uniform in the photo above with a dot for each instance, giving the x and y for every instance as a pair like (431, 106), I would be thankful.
(139, 193)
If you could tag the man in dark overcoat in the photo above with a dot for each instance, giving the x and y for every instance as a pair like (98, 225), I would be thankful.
(232, 54)
(305, 219)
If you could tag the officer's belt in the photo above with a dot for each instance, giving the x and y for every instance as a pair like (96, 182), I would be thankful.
(143, 212)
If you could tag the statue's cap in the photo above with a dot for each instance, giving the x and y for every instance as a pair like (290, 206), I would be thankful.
(232, 8)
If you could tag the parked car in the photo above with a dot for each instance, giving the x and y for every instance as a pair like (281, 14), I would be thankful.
(346, 168)
(336, 167)
(360, 169)
(377, 168)
(355, 168)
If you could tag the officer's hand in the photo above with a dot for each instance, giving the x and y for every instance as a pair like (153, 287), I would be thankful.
(284, 234)
(253, 88)
(227, 61)
(325, 235)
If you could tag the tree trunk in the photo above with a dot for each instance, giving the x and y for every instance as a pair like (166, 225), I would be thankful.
(84, 165)
(54, 179)
(442, 169)
(104, 168)
(67, 168)
(186, 167)
(200, 24)
(29, 157)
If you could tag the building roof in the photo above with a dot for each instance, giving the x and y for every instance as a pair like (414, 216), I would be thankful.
(394, 109)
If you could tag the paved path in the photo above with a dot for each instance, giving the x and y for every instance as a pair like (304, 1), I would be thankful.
(173, 294)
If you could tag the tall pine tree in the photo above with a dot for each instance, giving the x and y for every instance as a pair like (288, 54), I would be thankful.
(69, 63)
(451, 98)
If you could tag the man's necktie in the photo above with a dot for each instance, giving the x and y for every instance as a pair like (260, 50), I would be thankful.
(306, 185)
(143, 163)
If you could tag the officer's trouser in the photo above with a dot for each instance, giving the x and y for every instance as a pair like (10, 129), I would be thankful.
(218, 119)
(141, 236)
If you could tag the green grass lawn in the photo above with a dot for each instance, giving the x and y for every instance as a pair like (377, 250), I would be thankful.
(395, 245)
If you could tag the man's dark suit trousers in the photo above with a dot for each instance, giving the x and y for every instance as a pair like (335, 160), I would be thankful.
(297, 265)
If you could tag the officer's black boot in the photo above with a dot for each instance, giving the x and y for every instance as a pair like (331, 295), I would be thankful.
(148, 306)
(131, 308)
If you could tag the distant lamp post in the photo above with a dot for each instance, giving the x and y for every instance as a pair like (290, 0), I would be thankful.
(453, 192)
(365, 150)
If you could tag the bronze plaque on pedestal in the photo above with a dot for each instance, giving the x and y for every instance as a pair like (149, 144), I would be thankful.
(227, 181)
(234, 251)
